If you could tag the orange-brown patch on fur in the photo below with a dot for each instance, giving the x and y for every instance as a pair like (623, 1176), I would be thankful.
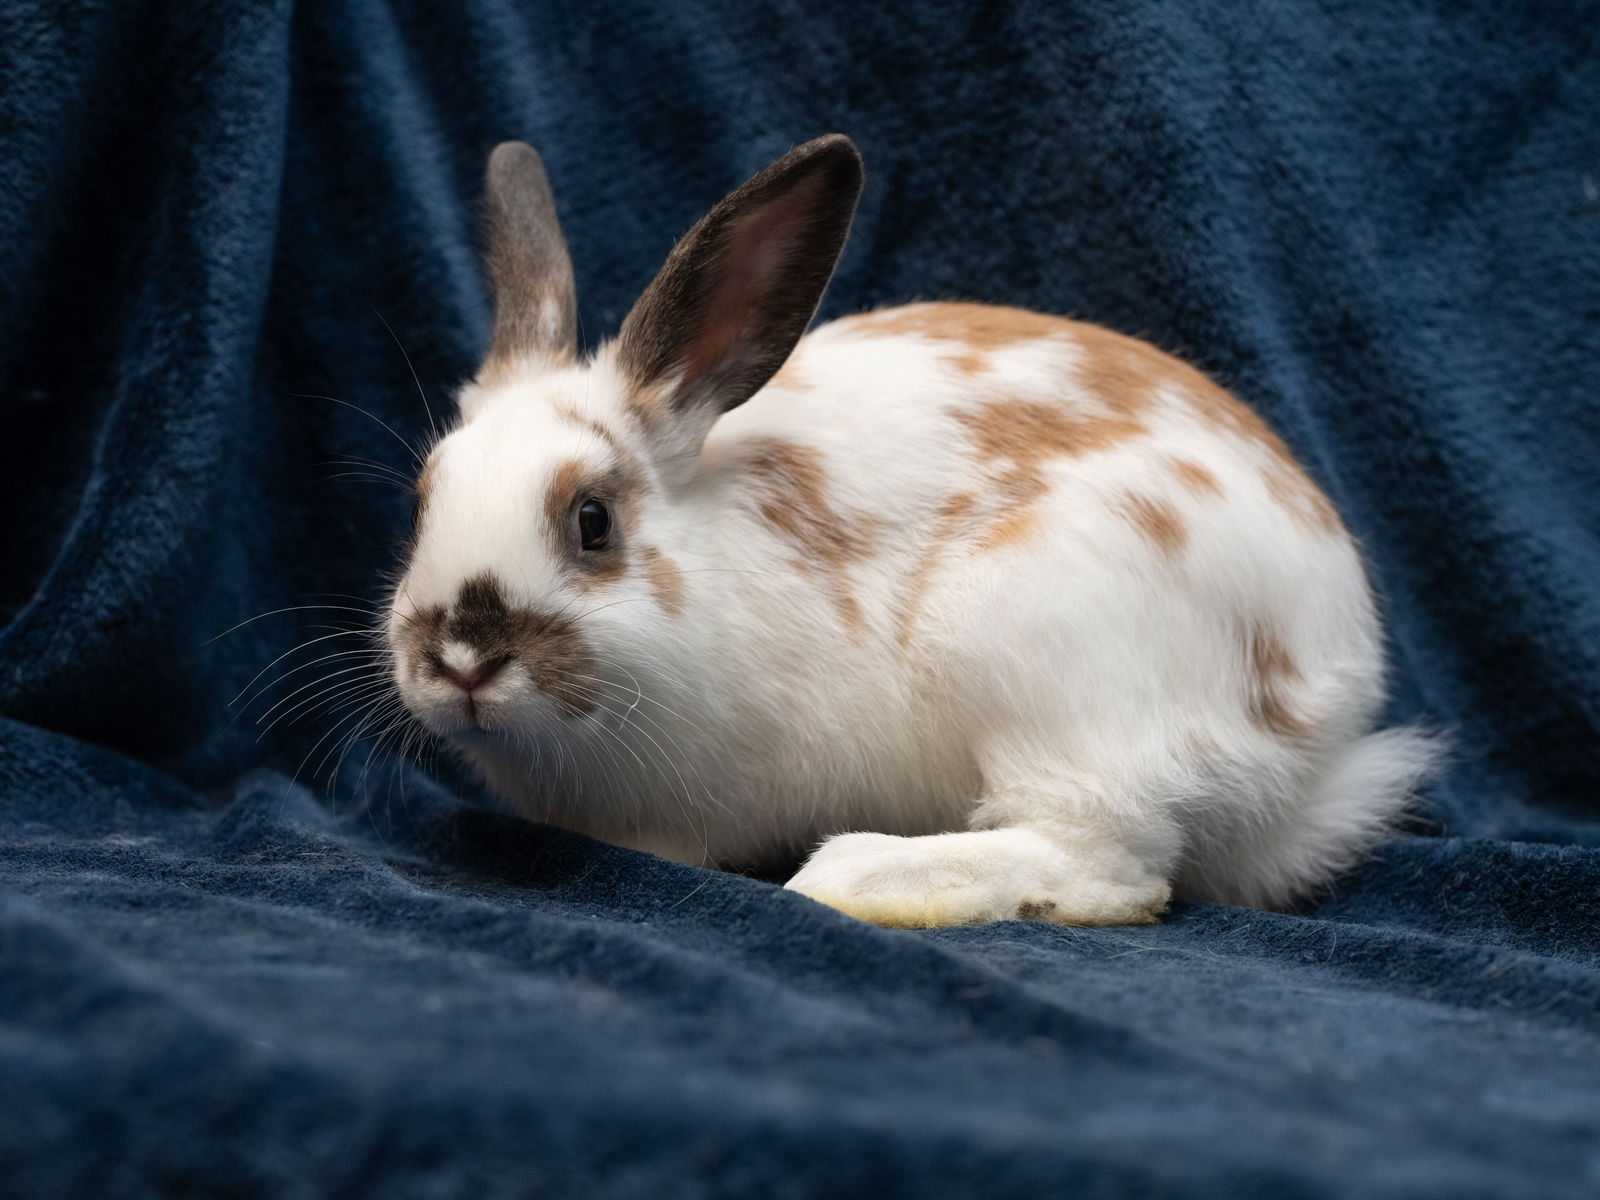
(982, 326)
(424, 486)
(974, 331)
(1028, 432)
(568, 485)
(1270, 672)
(951, 517)
(1292, 488)
(1118, 368)
(791, 487)
(1012, 439)
(563, 490)
(1012, 516)
(1197, 480)
(1120, 371)
(1125, 373)
(664, 578)
(1157, 520)
(1285, 479)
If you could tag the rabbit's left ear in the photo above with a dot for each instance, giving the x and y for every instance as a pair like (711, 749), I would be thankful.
(738, 290)
(530, 273)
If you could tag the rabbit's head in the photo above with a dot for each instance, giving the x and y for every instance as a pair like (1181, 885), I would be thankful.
(552, 519)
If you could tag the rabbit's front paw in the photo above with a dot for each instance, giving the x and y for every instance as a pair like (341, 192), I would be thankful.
(971, 878)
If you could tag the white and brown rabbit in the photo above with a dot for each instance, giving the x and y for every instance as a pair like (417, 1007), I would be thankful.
(1015, 616)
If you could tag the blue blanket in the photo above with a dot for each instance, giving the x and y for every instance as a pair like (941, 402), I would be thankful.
(250, 956)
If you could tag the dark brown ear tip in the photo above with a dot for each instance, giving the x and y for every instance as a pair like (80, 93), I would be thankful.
(833, 143)
(832, 151)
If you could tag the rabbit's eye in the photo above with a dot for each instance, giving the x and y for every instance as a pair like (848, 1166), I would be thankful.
(594, 525)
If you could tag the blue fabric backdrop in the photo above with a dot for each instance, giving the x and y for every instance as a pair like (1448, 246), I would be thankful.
(232, 964)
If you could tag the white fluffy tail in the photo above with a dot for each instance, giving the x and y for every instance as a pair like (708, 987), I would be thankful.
(1367, 788)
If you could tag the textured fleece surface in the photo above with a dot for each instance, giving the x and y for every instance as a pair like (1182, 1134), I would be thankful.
(233, 964)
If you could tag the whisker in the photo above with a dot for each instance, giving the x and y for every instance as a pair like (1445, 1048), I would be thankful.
(637, 721)
(289, 609)
(403, 485)
(426, 407)
(356, 407)
(349, 741)
(397, 721)
(303, 666)
(640, 696)
(315, 745)
(326, 679)
(339, 693)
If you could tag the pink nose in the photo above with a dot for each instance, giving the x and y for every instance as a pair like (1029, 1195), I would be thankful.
(474, 679)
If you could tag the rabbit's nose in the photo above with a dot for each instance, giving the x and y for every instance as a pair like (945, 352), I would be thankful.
(472, 679)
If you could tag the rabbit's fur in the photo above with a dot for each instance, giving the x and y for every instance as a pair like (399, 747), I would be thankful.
(1016, 616)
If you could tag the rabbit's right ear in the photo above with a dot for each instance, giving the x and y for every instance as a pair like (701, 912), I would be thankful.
(530, 274)
(737, 292)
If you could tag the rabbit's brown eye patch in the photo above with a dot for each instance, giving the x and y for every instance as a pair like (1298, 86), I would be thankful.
(594, 524)
(589, 509)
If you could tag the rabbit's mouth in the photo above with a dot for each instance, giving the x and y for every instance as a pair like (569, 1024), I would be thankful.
(473, 701)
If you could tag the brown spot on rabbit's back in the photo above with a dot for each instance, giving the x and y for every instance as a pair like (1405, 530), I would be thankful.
(790, 487)
(1197, 480)
(1120, 370)
(949, 520)
(1284, 478)
(1156, 519)
(1270, 675)
(981, 326)
(1124, 373)
(1302, 499)
(1028, 432)
(968, 333)
(1012, 516)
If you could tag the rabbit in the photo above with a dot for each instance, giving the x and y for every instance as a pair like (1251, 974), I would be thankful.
(983, 614)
